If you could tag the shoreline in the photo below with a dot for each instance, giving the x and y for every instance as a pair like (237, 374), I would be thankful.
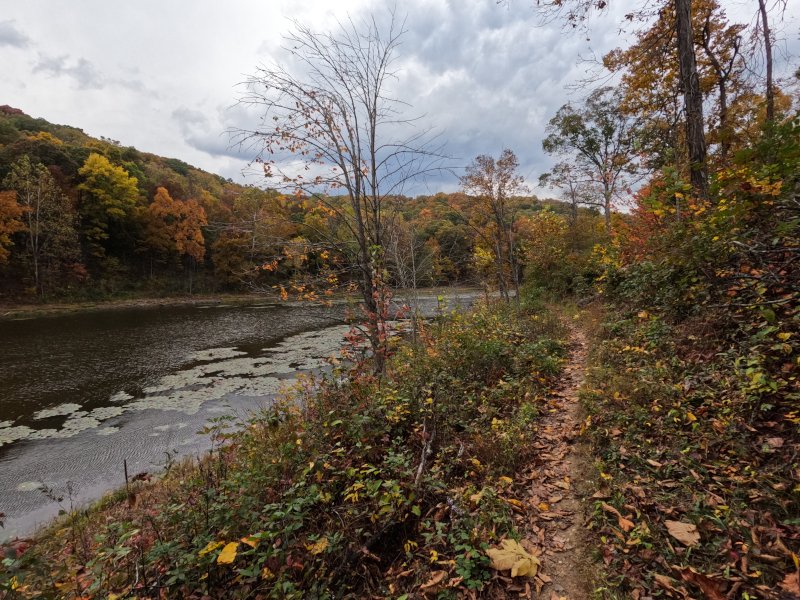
(12, 311)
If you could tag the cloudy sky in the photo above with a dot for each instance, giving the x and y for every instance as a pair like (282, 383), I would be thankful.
(163, 76)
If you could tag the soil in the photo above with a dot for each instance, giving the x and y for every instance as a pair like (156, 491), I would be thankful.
(556, 482)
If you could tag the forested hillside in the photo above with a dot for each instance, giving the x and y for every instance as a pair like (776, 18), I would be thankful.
(90, 218)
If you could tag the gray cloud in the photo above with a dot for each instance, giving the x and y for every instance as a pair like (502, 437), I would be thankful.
(81, 71)
(11, 36)
(485, 76)
(212, 135)
(489, 78)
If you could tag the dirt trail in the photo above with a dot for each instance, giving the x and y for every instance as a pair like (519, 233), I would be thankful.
(555, 480)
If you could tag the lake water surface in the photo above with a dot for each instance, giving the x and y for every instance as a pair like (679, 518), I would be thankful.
(83, 392)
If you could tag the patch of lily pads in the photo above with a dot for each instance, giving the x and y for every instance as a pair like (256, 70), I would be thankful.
(223, 372)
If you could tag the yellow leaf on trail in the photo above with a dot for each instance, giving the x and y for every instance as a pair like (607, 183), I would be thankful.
(690, 417)
(318, 547)
(511, 556)
(685, 533)
(228, 554)
(506, 480)
(210, 547)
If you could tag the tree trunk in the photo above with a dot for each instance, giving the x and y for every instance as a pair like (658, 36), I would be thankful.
(512, 261)
(770, 92)
(501, 276)
(722, 85)
(607, 206)
(692, 98)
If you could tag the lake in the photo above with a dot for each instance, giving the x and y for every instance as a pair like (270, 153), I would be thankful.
(80, 393)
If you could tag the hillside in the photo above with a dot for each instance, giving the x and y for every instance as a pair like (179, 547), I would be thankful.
(91, 218)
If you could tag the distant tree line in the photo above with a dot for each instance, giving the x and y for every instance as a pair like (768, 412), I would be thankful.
(82, 217)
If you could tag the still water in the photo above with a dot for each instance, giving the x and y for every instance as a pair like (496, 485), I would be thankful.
(81, 393)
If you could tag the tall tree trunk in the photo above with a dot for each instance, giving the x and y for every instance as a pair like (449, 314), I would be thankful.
(722, 85)
(607, 206)
(501, 265)
(762, 8)
(692, 98)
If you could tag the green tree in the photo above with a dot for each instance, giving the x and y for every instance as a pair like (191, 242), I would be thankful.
(600, 140)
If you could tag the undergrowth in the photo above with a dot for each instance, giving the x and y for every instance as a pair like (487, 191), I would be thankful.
(684, 433)
(356, 486)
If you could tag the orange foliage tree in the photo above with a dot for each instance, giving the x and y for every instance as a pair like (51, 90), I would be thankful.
(10, 223)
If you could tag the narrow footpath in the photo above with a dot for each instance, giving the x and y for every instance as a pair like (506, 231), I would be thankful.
(555, 481)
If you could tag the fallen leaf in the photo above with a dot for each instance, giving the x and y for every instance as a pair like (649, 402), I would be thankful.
(210, 547)
(711, 587)
(685, 533)
(511, 556)
(436, 578)
(318, 547)
(228, 554)
(791, 583)
(625, 524)
(666, 583)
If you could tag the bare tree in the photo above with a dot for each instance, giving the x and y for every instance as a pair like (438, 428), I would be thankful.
(766, 33)
(330, 126)
(723, 63)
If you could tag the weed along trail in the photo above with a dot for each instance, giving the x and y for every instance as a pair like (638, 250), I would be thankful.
(554, 481)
